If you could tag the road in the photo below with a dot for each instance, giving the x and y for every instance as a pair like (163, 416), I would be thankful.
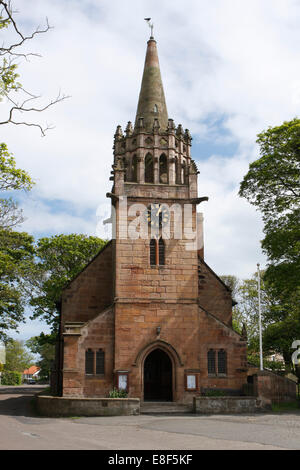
(22, 429)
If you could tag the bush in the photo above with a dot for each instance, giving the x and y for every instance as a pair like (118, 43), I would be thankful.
(115, 393)
(11, 378)
(215, 393)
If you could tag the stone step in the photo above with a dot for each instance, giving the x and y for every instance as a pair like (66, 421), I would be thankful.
(161, 408)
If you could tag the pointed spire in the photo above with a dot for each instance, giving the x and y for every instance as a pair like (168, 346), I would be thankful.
(152, 104)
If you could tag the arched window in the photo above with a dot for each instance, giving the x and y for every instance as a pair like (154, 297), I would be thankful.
(153, 244)
(155, 108)
(184, 173)
(222, 362)
(161, 252)
(177, 171)
(157, 252)
(100, 361)
(89, 362)
(163, 169)
(149, 174)
(134, 169)
(211, 361)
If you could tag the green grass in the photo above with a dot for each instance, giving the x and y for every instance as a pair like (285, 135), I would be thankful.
(289, 406)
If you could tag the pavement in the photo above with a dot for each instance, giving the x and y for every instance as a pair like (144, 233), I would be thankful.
(22, 429)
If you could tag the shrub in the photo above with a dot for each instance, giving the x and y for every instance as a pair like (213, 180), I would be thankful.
(11, 378)
(215, 393)
(115, 393)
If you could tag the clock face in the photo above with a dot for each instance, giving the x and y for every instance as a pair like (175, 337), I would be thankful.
(157, 215)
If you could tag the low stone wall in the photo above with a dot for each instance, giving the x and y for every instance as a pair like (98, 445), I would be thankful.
(216, 405)
(74, 406)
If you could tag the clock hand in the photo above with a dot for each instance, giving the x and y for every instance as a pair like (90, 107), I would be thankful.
(158, 211)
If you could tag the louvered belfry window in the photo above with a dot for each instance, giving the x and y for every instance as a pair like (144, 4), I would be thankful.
(100, 361)
(211, 361)
(161, 252)
(149, 169)
(153, 244)
(89, 362)
(222, 362)
(157, 252)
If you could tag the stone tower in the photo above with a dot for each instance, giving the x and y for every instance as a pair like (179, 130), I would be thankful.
(156, 300)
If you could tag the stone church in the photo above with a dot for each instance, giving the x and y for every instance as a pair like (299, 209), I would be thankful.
(147, 315)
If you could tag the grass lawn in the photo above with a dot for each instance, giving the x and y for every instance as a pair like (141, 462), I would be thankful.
(289, 406)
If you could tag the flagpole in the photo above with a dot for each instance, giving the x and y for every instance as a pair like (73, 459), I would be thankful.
(259, 320)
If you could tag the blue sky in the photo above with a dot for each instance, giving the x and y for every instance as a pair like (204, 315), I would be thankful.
(230, 69)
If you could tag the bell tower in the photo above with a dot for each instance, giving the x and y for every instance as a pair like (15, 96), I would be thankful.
(156, 276)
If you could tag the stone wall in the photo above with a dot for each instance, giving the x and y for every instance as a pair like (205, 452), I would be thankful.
(91, 291)
(274, 388)
(214, 295)
(96, 334)
(216, 405)
(66, 406)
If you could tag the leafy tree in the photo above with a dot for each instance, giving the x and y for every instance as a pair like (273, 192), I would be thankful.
(14, 51)
(272, 184)
(11, 179)
(17, 357)
(44, 345)
(16, 256)
(59, 259)
(246, 311)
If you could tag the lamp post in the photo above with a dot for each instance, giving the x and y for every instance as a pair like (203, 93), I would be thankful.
(259, 320)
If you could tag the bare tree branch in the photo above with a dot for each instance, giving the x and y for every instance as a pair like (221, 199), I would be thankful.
(8, 50)
(21, 108)
(9, 76)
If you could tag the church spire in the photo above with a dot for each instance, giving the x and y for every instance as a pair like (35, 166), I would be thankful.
(152, 104)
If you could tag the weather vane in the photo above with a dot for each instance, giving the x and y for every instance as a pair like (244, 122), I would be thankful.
(150, 25)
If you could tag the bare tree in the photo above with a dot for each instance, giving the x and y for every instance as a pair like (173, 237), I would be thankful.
(9, 85)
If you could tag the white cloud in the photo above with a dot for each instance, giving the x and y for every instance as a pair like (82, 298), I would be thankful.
(232, 61)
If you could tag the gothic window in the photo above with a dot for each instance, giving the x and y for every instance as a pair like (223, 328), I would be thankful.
(177, 171)
(222, 362)
(211, 361)
(153, 244)
(163, 169)
(149, 173)
(157, 252)
(161, 252)
(134, 169)
(155, 108)
(89, 362)
(100, 361)
(184, 173)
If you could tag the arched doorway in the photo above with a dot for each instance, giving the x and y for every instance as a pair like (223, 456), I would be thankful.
(158, 376)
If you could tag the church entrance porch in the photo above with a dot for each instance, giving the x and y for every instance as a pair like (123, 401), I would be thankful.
(158, 376)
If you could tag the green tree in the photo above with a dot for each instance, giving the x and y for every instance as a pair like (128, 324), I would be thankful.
(17, 357)
(59, 259)
(16, 257)
(272, 184)
(11, 179)
(245, 312)
(44, 345)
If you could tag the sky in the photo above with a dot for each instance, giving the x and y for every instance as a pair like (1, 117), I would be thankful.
(230, 69)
